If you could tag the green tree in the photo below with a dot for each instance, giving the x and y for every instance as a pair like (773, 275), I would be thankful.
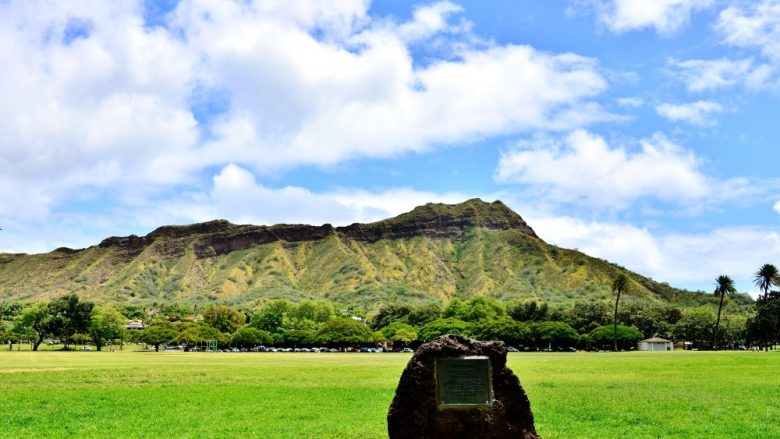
(473, 310)
(554, 334)
(297, 337)
(724, 286)
(157, 335)
(316, 311)
(399, 334)
(652, 320)
(619, 286)
(529, 311)
(106, 323)
(389, 314)
(271, 316)
(37, 319)
(69, 316)
(503, 329)
(224, 318)
(247, 337)
(586, 316)
(9, 311)
(194, 334)
(764, 326)
(424, 314)
(766, 277)
(440, 327)
(627, 336)
(695, 326)
(343, 332)
(10, 337)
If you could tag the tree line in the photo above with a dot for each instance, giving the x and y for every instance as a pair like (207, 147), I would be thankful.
(528, 324)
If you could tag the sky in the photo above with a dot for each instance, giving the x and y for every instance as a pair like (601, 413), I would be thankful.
(640, 131)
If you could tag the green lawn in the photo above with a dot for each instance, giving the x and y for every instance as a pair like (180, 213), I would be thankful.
(273, 395)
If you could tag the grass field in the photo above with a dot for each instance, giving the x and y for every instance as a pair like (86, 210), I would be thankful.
(582, 395)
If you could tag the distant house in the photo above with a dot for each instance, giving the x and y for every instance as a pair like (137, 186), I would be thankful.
(656, 344)
(135, 325)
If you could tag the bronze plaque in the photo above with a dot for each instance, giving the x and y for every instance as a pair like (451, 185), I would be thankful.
(463, 383)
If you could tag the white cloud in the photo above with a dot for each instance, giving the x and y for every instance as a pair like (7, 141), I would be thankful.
(633, 102)
(694, 113)
(427, 21)
(585, 169)
(777, 207)
(666, 16)
(694, 258)
(237, 196)
(703, 75)
(752, 25)
(100, 100)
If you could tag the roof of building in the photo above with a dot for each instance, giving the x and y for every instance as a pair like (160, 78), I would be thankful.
(655, 340)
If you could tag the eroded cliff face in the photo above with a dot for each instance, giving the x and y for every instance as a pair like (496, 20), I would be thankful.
(214, 238)
(441, 221)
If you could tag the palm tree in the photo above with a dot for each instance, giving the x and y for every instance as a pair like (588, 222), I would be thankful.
(766, 277)
(619, 286)
(724, 285)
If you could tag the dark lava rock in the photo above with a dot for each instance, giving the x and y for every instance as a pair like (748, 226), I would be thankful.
(414, 413)
(214, 238)
(437, 220)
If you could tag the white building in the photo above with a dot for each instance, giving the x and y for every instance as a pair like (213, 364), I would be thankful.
(656, 344)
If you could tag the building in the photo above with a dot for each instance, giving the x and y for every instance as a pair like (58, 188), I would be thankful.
(135, 325)
(656, 344)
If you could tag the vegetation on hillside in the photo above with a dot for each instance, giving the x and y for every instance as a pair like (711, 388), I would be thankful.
(436, 252)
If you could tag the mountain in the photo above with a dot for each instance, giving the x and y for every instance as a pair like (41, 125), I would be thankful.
(434, 252)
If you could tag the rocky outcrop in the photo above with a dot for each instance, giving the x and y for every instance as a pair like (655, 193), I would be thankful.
(441, 221)
(416, 414)
(219, 237)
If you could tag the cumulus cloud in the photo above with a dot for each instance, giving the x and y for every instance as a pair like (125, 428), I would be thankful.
(233, 193)
(665, 16)
(694, 113)
(236, 195)
(702, 75)
(583, 168)
(693, 258)
(102, 99)
(752, 25)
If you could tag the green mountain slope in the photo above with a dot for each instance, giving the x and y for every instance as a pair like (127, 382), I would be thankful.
(434, 252)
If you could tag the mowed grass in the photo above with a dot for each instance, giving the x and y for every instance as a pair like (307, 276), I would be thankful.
(273, 395)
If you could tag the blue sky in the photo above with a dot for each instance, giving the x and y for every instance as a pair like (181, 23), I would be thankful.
(642, 132)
